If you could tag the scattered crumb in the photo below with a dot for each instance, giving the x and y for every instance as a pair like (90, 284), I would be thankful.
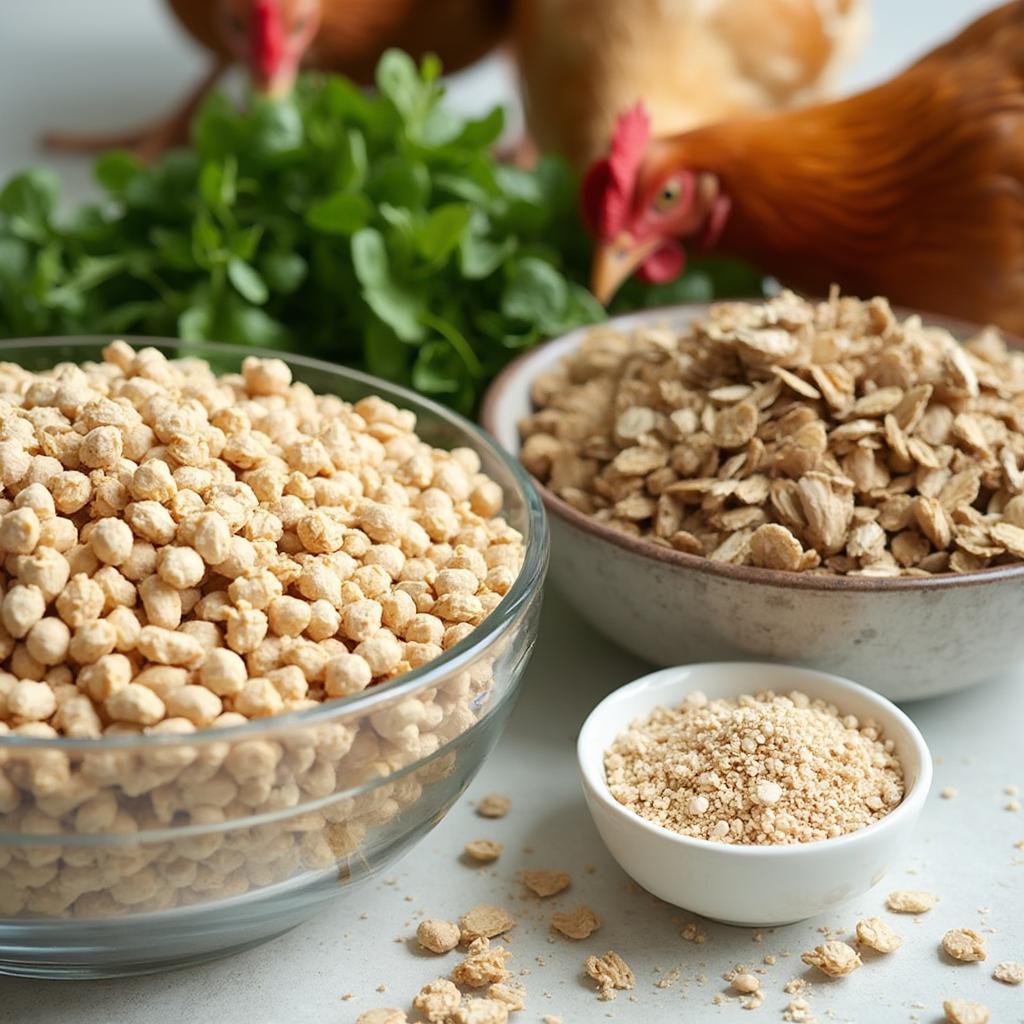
(579, 923)
(693, 932)
(513, 996)
(1013, 805)
(745, 983)
(485, 921)
(798, 1012)
(546, 883)
(382, 987)
(481, 1011)
(757, 937)
(494, 805)
(949, 792)
(1009, 973)
(484, 850)
(382, 1015)
(347, 996)
(960, 1011)
(753, 1001)
(910, 901)
(1011, 790)
(438, 936)
(590, 868)
(485, 965)
(964, 944)
(874, 933)
(610, 972)
(833, 958)
(769, 959)
(551, 1019)
(437, 1000)
(668, 980)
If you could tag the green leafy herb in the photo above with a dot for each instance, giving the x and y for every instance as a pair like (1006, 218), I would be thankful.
(373, 230)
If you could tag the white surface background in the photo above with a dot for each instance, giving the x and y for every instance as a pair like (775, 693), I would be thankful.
(104, 64)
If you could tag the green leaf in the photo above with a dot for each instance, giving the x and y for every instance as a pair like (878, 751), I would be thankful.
(343, 213)
(27, 203)
(284, 272)
(479, 255)
(398, 306)
(276, 127)
(399, 181)
(483, 131)
(117, 169)
(536, 293)
(247, 281)
(398, 79)
(14, 259)
(217, 183)
(369, 258)
(443, 230)
(249, 325)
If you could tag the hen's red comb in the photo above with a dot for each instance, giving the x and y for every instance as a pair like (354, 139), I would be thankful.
(607, 190)
(268, 38)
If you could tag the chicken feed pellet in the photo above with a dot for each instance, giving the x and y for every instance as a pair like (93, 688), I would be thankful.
(184, 552)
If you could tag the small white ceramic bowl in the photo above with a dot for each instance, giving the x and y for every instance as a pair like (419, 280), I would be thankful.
(906, 638)
(752, 886)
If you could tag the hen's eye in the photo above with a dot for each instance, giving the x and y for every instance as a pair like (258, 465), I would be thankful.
(668, 196)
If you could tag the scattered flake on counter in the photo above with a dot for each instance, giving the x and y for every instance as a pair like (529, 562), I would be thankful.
(485, 922)
(494, 805)
(546, 883)
(834, 958)
(874, 933)
(692, 932)
(438, 936)
(762, 769)
(480, 1011)
(484, 965)
(911, 901)
(1009, 973)
(437, 1000)
(484, 851)
(965, 945)
(382, 1015)
(610, 972)
(578, 923)
(512, 996)
(825, 437)
(949, 793)
(798, 1012)
(960, 1011)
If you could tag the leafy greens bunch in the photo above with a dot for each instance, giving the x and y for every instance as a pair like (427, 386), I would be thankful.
(372, 230)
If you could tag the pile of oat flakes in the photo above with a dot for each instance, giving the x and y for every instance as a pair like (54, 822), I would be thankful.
(825, 437)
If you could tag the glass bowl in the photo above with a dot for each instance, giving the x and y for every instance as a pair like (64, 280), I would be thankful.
(126, 855)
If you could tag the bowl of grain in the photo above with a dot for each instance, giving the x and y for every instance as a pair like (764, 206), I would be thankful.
(261, 621)
(753, 794)
(825, 484)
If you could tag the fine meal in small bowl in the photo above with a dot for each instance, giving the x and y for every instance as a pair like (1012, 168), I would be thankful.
(752, 793)
(254, 640)
(824, 483)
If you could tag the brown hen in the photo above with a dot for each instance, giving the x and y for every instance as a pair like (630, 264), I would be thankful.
(913, 189)
(273, 38)
(582, 62)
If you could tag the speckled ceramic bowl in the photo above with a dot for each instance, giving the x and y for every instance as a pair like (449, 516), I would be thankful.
(906, 638)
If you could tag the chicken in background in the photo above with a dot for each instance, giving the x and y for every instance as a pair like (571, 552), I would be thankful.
(693, 62)
(274, 38)
(913, 189)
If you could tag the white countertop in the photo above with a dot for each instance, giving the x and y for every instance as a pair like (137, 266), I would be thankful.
(63, 62)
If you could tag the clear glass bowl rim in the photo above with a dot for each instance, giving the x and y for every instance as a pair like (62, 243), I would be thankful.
(523, 589)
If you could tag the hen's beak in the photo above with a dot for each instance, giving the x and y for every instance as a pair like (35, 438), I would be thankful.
(615, 261)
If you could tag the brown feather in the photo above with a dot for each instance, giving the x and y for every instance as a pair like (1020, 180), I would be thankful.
(914, 189)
